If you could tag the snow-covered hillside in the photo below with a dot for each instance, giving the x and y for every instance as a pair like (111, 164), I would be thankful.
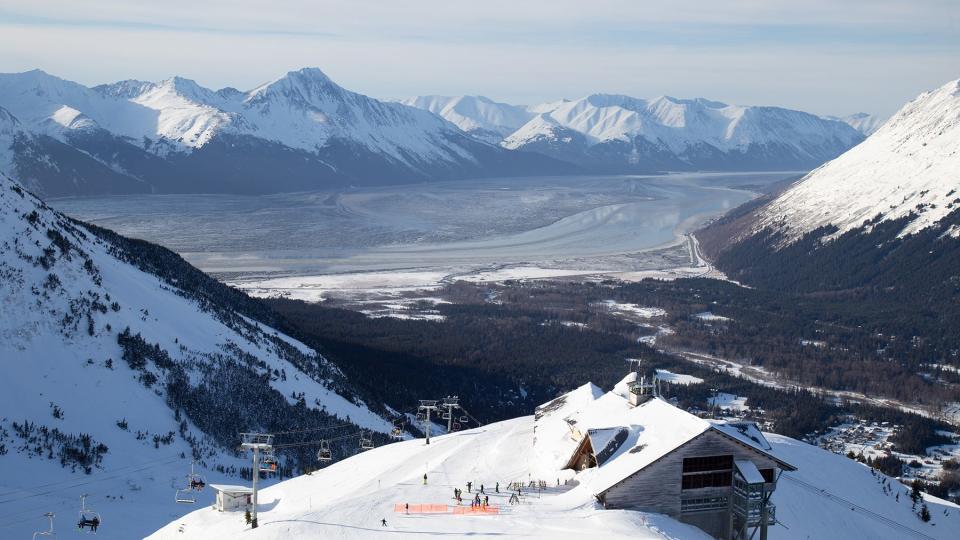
(909, 168)
(828, 497)
(121, 364)
(863, 122)
(615, 132)
(131, 125)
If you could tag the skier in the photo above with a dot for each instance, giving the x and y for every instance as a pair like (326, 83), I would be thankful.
(424, 478)
(481, 488)
(497, 487)
(407, 508)
(486, 500)
(469, 486)
(383, 522)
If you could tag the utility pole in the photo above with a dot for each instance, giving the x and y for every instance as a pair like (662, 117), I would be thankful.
(450, 403)
(256, 442)
(427, 405)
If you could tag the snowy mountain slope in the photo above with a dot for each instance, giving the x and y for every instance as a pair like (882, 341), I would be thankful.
(908, 169)
(122, 363)
(349, 499)
(863, 122)
(630, 133)
(200, 135)
(480, 117)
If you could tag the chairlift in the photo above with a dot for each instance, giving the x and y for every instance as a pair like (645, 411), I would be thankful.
(366, 442)
(397, 431)
(49, 534)
(88, 517)
(456, 426)
(445, 416)
(421, 417)
(464, 419)
(324, 453)
(268, 463)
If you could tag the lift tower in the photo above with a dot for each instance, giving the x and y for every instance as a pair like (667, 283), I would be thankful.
(450, 403)
(257, 442)
(426, 406)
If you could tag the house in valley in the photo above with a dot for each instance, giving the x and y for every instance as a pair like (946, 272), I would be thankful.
(636, 451)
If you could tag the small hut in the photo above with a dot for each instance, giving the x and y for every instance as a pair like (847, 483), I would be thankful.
(232, 498)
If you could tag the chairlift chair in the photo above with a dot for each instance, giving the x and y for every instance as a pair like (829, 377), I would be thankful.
(464, 419)
(445, 416)
(88, 517)
(186, 496)
(268, 463)
(324, 453)
(47, 534)
(456, 426)
(421, 417)
(366, 442)
(397, 432)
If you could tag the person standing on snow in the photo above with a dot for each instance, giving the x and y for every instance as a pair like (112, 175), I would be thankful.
(424, 478)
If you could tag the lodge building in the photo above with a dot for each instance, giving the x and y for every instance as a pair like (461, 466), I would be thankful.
(637, 451)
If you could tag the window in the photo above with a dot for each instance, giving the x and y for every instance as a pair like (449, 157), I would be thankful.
(708, 463)
(707, 472)
(706, 480)
(768, 475)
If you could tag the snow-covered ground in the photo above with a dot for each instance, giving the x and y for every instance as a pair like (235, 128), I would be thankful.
(677, 378)
(730, 402)
(65, 296)
(632, 310)
(829, 497)
(908, 168)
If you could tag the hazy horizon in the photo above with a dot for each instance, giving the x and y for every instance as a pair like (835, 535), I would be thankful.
(819, 57)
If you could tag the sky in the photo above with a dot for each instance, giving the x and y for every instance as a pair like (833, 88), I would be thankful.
(822, 56)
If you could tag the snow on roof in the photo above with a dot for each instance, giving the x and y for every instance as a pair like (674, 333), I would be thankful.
(652, 430)
(745, 432)
(749, 471)
(226, 488)
(553, 441)
(656, 428)
(606, 441)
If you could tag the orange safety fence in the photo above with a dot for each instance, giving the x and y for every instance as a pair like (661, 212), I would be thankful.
(483, 510)
(403, 508)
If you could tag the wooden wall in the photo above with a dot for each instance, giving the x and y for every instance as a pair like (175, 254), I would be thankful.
(657, 488)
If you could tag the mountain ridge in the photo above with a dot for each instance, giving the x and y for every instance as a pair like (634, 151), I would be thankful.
(300, 131)
(620, 133)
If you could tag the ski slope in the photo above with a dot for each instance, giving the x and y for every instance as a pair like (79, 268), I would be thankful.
(65, 295)
(347, 500)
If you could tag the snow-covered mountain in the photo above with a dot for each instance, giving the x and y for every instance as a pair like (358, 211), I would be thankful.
(615, 133)
(122, 363)
(300, 131)
(908, 169)
(863, 122)
(480, 117)
(828, 497)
